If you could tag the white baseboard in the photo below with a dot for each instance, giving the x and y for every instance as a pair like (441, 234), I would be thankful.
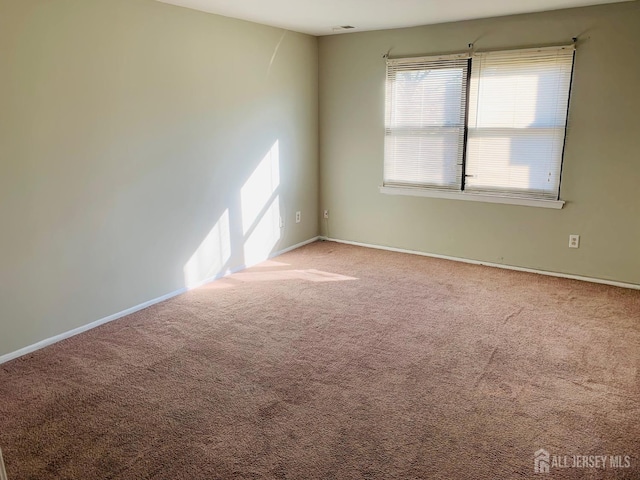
(50, 341)
(489, 264)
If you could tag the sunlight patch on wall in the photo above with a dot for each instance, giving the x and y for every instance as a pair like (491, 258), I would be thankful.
(261, 208)
(211, 257)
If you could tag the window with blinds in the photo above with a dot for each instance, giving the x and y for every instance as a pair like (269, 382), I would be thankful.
(493, 124)
(425, 124)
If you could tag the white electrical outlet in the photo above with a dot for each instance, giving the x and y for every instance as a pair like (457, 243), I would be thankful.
(281, 222)
(298, 217)
(574, 241)
(326, 214)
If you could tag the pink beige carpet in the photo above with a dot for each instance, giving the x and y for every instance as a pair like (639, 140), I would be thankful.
(338, 362)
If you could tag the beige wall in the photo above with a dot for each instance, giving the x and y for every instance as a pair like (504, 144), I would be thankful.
(601, 179)
(128, 129)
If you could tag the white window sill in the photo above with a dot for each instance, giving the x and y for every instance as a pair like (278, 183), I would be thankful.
(472, 197)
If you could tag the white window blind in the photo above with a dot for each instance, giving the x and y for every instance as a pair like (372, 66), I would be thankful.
(517, 117)
(425, 121)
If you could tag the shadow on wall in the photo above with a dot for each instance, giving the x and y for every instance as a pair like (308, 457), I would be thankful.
(259, 216)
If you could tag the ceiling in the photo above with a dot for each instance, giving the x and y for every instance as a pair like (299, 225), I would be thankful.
(320, 17)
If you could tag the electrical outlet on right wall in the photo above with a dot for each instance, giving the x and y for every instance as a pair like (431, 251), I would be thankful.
(574, 241)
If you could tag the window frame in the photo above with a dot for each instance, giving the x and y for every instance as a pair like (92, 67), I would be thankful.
(500, 197)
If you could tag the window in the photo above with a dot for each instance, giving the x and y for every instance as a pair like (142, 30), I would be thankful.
(491, 125)
(426, 109)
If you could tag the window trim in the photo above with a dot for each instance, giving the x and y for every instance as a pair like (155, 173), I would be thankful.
(473, 197)
(462, 194)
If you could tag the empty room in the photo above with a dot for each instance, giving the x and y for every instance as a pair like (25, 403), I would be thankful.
(303, 239)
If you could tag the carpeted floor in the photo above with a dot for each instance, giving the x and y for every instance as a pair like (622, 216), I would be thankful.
(338, 362)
